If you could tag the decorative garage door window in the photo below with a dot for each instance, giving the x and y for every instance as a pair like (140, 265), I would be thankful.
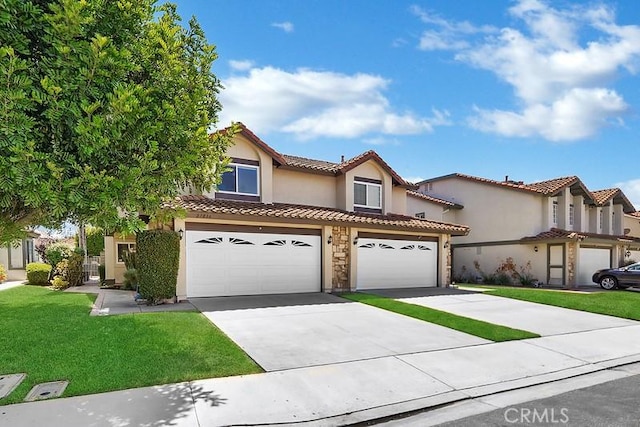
(385, 246)
(236, 241)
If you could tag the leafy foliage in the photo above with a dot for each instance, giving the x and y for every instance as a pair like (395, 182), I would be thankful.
(57, 252)
(95, 241)
(130, 279)
(38, 273)
(41, 245)
(105, 108)
(158, 256)
(3, 273)
(58, 282)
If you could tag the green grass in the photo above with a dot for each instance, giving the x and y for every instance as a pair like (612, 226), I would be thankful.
(475, 327)
(50, 336)
(613, 303)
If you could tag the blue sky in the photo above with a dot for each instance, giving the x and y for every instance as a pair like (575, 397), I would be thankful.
(531, 89)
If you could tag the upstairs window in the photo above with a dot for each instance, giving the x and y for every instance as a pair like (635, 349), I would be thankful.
(571, 213)
(555, 212)
(367, 194)
(240, 179)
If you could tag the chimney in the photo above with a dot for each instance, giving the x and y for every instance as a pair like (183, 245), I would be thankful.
(342, 159)
(506, 178)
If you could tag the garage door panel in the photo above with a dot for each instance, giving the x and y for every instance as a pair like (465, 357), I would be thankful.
(592, 259)
(386, 263)
(232, 263)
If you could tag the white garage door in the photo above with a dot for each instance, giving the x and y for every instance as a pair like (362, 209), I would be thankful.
(235, 263)
(592, 259)
(384, 263)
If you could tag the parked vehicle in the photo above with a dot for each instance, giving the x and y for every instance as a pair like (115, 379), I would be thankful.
(623, 277)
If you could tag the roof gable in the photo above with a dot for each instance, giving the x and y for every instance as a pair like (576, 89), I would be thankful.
(602, 197)
(435, 200)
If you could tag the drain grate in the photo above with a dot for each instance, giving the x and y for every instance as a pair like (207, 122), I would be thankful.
(46, 390)
(9, 382)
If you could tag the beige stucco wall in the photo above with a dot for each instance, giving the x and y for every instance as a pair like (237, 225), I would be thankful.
(304, 188)
(114, 270)
(431, 210)
(493, 213)
(633, 224)
(244, 149)
(491, 257)
(400, 201)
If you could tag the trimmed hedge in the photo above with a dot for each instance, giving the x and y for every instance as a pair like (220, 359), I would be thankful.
(38, 273)
(158, 257)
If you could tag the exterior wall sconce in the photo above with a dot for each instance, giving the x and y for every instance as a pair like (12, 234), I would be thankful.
(330, 239)
(355, 240)
(535, 249)
(181, 233)
(446, 244)
(627, 254)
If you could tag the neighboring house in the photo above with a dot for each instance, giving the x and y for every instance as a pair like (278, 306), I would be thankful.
(563, 230)
(287, 224)
(15, 256)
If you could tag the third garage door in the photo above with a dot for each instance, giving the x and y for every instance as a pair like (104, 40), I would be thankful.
(386, 263)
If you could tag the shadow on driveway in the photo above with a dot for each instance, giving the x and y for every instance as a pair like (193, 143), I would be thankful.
(417, 292)
(264, 301)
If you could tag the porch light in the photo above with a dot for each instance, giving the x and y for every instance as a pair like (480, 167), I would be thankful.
(330, 239)
(446, 244)
(355, 240)
(535, 249)
(627, 254)
(180, 233)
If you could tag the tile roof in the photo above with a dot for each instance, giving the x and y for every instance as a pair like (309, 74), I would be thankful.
(636, 214)
(434, 199)
(284, 211)
(551, 186)
(508, 184)
(559, 234)
(322, 166)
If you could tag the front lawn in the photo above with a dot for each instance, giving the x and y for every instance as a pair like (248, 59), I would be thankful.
(475, 327)
(613, 303)
(50, 336)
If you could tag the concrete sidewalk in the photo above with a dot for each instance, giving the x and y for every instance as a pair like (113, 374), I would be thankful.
(344, 393)
(11, 284)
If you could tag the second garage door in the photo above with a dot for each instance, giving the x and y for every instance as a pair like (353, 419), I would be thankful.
(385, 263)
(592, 259)
(236, 263)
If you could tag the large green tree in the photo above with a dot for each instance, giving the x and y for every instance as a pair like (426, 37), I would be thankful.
(105, 111)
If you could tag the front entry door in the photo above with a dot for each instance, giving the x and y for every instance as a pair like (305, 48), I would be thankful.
(555, 263)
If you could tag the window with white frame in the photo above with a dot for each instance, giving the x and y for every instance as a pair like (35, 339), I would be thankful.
(367, 194)
(240, 179)
(554, 214)
(571, 213)
(125, 248)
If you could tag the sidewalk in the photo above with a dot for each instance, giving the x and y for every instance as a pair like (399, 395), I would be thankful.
(345, 393)
(12, 284)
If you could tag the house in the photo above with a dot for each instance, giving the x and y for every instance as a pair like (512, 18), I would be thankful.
(15, 256)
(286, 224)
(557, 229)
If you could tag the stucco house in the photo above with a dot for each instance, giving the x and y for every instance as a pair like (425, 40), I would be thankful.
(15, 256)
(285, 224)
(559, 227)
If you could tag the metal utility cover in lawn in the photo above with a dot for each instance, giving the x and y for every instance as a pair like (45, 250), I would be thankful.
(46, 390)
(9, 382)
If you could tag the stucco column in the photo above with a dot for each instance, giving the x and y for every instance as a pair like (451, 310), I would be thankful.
(572, 264)
(109, 259)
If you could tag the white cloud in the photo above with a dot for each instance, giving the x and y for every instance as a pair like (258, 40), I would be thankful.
(241, 65)
(286, 26)
(311, 104)
(563, 85)
(631, 189)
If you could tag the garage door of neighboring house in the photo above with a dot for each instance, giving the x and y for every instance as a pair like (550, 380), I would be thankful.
(224, 263)
(387, 263)
(590, 260)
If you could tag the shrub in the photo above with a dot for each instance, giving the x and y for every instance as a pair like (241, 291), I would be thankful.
(41, 245)
(130, 279)
(95, 241)
(3, 273)
(59, 283)
(56, 252)
(74, 270)
(130, 260)
(38, 273)
(158, 256)
(102, 271)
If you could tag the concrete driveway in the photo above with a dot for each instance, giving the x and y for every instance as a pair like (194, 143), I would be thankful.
(539, 318)
(299, 330)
